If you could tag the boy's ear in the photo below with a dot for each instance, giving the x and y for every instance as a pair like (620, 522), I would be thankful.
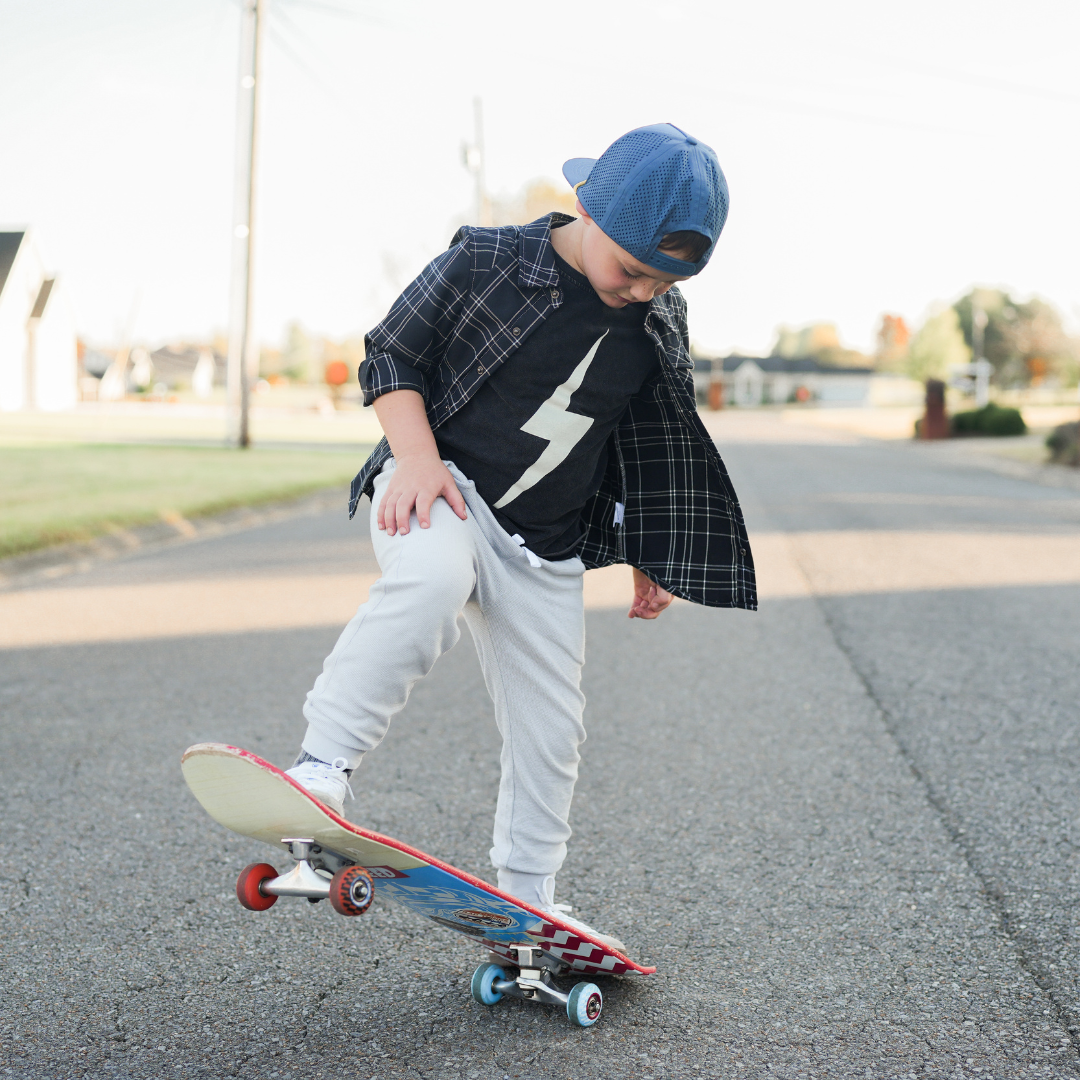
(582, 211)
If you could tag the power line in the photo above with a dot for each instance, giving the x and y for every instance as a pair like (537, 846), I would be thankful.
(336, 9)
(316, 51)
(287, 48)
(839, 114)
(972, 79)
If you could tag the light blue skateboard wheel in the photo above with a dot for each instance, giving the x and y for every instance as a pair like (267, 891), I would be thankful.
(584, 1004)
(482, 989)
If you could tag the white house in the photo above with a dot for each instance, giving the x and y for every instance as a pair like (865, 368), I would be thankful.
(775, 380)
(39, 366)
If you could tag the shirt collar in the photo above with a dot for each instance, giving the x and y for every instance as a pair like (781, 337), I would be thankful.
(536, 263)
(663, 308)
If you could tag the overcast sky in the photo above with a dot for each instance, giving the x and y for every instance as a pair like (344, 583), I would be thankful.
(880, 156)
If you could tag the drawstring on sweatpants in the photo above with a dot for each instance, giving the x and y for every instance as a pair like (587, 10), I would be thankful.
(534, 560)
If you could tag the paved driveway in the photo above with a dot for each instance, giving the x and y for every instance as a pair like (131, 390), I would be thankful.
(844, 828)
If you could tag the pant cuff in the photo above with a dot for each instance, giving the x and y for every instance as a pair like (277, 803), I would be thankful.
(543, 861)
(325, 749)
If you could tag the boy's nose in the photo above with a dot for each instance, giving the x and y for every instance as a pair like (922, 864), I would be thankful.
(644, 291)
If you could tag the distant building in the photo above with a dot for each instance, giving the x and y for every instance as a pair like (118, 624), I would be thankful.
(188, 367)
(777, 380)
(39, 366)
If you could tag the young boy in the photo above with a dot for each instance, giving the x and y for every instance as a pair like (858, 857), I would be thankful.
(534, 384)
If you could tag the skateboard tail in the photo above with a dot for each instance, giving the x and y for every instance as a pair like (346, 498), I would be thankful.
(250, 796)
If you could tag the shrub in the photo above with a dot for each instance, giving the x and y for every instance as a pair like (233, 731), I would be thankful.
(1064, 445)
(989, 420)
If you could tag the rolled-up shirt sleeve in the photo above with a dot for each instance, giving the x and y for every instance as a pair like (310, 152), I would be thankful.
(406, 347)
(380, 373)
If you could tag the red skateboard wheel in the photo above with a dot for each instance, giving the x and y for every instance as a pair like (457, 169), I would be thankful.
(248, 890)
(352, 891)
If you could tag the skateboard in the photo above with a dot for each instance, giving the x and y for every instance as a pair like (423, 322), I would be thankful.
(338, 861)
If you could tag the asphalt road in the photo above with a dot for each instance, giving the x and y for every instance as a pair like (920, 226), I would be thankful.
(845, 828)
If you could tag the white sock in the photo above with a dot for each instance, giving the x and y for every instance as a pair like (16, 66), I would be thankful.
(535, 889)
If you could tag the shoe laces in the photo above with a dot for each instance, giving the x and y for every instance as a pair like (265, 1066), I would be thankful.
(338, 765)
(344, 775)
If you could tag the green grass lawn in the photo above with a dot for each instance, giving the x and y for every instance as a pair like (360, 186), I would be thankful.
(52, 494)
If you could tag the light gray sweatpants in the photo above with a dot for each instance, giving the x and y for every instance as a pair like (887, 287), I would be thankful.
(528, 623)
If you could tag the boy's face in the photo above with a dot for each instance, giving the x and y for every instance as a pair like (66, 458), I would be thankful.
(618, 278)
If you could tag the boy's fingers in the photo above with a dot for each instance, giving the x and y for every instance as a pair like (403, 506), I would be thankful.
(423, 509)
(389, 511)
(456, 500)
(404, 512)
(647, 607)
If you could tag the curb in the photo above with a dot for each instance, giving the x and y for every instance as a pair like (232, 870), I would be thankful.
(46, 564)
(1043, 474)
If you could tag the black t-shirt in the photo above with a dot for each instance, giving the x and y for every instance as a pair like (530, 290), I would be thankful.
(534, 437)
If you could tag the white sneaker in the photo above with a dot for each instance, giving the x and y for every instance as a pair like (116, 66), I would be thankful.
(561, 911)
(539, 890)
(328, 783)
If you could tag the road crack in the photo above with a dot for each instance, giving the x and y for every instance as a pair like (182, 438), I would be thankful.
(995, 899)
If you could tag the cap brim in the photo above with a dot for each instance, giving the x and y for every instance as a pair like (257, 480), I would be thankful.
(577, 169)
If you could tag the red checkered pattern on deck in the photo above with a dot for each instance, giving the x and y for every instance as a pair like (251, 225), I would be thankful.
(580, 954)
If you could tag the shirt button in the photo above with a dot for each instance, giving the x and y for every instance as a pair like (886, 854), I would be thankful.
(480, 370)
(554, 294)
(517, 331)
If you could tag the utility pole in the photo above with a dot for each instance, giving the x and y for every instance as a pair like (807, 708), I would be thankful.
(475, 163)
(980, 367)
(243, 363)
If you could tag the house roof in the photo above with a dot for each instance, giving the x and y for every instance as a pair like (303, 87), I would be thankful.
(42, 298)
(778, 365)
(9, 248)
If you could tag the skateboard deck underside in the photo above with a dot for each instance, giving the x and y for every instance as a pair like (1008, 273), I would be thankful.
(252, 797)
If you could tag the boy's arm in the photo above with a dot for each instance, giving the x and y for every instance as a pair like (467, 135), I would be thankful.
(419, 476)
(649, 598)
(405, 349)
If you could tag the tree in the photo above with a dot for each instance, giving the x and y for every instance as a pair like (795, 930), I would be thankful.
(1024, 341)
(938, 346)
(533, 200)
(809, 340)
(893, 340)
(819, 340)
(298, 357)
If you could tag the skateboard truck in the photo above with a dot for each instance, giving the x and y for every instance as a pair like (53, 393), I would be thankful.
(534, 981)
(319, 874)
(303, 879)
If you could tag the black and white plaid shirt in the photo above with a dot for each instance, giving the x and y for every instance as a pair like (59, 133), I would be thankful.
(666, 504)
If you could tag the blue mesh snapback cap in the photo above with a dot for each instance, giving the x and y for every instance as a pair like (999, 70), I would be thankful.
(650, 182)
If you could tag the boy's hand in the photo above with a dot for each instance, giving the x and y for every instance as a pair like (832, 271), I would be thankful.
(649, 599)
(416, 484)
(419, 476)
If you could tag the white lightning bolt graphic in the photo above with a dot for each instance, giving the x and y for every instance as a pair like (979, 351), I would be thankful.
(563, 430)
